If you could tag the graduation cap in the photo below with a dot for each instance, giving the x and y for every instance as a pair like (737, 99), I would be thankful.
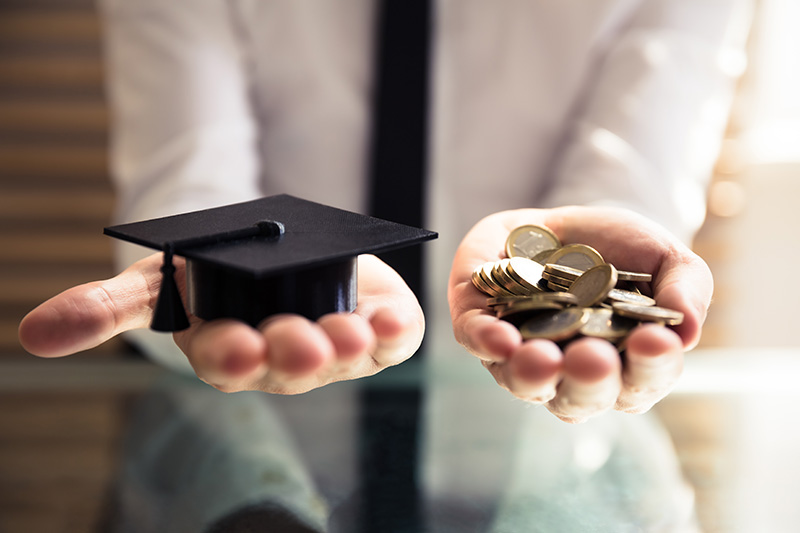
(279, 254)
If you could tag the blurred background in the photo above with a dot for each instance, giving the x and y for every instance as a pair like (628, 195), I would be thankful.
(731, 418)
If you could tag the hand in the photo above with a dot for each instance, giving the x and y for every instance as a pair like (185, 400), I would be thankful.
(588, 377)
(286, 354)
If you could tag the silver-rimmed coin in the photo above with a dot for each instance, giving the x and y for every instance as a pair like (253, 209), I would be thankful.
(629, 297)
(603, 323)
(530, 240)
(557, 279)
(504, 300)
(624, 275)
(593, 286)
(554, 325)
(557, 287)
(661, 315)
(579, 256)
(562, 271)
(513, 311)
(543, 256)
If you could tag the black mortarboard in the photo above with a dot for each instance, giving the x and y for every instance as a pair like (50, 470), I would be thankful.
(250, 260)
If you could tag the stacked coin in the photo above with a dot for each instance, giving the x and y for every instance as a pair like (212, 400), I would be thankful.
(560, 292)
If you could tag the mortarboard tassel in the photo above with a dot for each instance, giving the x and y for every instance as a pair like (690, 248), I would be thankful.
(169, 314)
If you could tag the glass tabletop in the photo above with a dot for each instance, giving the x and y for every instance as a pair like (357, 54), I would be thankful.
(427, 446)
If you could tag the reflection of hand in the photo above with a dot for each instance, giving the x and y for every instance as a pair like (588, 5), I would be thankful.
(587, 378)
(287, 354)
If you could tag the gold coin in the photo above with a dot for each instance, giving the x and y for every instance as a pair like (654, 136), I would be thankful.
(557, 287)
(554, 325)
(527, 306)
(543, 256)
(525, 272)
(478, 281)
(504, 300)
(528, 241)
(593, 286)
(562, 271)
(564, 298)
(603, 323)
(578, 256)
(624, 275)
(486, 275)
(629, 297)
(557, 279)
(651, 313)
(501, 275)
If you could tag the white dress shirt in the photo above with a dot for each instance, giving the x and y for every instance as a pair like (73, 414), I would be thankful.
(535, 103)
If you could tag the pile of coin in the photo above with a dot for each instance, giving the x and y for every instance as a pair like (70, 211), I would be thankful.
(560, 292)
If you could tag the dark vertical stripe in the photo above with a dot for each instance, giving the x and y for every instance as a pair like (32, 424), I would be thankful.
(390, 417)
(398, 160)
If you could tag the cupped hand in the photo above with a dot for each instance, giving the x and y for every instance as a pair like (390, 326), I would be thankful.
(286, 354)
(588, 376)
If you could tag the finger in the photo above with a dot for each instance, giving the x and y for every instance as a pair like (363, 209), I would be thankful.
(591, 382)
(488, 338)
(687, 289)
(88, 315)
(398, 335)
(534, 370)
(299, 353)
(391, 309)
(653, 364)
(228, 354)
(352, 336)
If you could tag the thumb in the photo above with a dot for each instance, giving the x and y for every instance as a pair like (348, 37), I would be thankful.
(87, 315)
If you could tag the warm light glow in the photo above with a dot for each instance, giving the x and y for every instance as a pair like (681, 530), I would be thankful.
(726, 199)
(775, 132)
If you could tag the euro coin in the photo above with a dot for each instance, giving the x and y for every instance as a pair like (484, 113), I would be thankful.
(652, 313)
(629, 297)
(511, 312)
(559, 292)
(553, 286)
(504, 300)
(528, 241)
(562, 271)
(593, 286)
(554, 325)
(542, 257)
(501, 278)
(558, 279)
(624, 275)
(526, 272)
(603, 323)
(497, 289)
(478, 281)
(579, 256)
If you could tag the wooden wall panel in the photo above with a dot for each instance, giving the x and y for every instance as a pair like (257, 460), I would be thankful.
(55, 195)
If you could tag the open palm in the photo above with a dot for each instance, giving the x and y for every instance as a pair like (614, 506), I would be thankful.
(588, 376)
(286, 354)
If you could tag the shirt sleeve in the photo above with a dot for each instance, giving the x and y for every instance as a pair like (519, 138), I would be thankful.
(183, 134)
(648, 127)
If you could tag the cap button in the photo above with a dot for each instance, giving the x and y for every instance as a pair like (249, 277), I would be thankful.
(271, 228)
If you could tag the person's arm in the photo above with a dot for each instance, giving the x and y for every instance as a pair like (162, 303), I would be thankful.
(183, 135)
(643, 137)
(185, 139)
(648, 127)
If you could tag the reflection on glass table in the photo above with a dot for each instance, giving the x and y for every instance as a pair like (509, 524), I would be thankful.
(198, 460)
(88, 446)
